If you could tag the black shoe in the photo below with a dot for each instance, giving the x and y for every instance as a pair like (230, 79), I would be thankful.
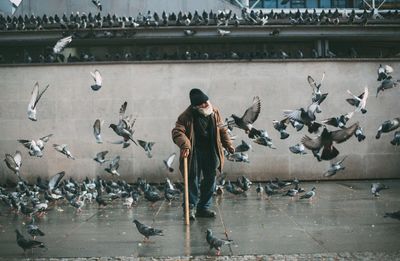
(206, 213)
(192, 214)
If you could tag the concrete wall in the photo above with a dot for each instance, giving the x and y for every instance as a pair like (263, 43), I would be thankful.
(120, 7)
(158, 92)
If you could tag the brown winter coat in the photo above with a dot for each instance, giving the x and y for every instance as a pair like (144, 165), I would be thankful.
(183, 135)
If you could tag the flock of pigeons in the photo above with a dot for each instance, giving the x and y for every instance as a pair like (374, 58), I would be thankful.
(33, 200)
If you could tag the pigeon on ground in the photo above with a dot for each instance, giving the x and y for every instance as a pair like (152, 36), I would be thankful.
(125, 126)
(309, 195)
(307, 117)
(14, 163)
(395, 215)
(244, 183)
(298, 149)
(376, 187)
(248, 118)
(168, 162)
(33, 229)
(27, 243)
(269, 190)
(326, 139)
(113, 166)
(388, 126)
(243, 147)
(100, 157)
(231, 188)
(98, 80)
(281, 127)
(384, 72)
(334, 168)
(317, 95)
(359, 101)
(35, 97)
(147, 146)
(340, 121)
(259, 190)
(396, 139)
(264, 139)
(97, 130)
(215, 242)
(64, 150)
(388, 83)
(147, 231)
(61, 44)
(36, 147)
(359, 134)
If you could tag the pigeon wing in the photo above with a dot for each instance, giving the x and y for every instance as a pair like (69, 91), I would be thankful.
(55, 180)
(102, 154)
(10, 162)
(293, 114)
(40, 95)
(35, 94)
(142, 143)
(97, 127)
(311, 144)
(122, 110)
(97, 77)
(18, 158)
(27, 143)
(340, 136)
(60, 45)
(46, 138)
(323, 97)
(251, 114)
(170, 159)
(311, 81)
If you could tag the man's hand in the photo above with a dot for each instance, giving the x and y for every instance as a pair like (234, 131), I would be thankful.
(185, 153)
(231, 149)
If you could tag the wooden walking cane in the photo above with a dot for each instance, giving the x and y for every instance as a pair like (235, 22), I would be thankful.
(186, 182)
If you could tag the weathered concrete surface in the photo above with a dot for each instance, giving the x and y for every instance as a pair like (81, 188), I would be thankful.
(158, 92)
(343, 222)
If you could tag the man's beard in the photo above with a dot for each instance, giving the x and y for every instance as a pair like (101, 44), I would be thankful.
(206, 111)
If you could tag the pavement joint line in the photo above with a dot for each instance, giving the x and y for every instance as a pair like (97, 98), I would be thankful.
(223, 225)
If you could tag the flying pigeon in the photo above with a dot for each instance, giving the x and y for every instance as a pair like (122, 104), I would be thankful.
(14, 162)
(388, 126)
(147, 146)
(36, 147)
(98, 5)
(264, 139)
(384, 72)
(125, 126)
(298, 149)
(55, 180)
(238, 157)
(168, 162)
(317, 95)
(147, 231)
(61, 44)
(306, 117)
(388, 83)
(64, 150)
(326, 139)
(100, 157)
(359, 134)
(309, 195)
(359, 101)
(297, 125)
(339, 121)
(376, 187)
(215, 242)
(97, 130)
(35, 97)
(396, 139)
(27, 243)
(113, 166)
(98, 80)
(281, 127)
(334, 168)
(243, 147)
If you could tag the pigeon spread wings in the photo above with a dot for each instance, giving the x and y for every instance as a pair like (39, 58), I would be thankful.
(311, 144)
(251, 114)
(97, 77)
(340, 136)
(60, 45)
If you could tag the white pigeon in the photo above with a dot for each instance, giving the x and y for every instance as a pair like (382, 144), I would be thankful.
(35, 97)
(168, 162)
(64, 150)
(98, 80)
(61, 44)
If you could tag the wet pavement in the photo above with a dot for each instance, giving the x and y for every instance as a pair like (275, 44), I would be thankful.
(344, 221)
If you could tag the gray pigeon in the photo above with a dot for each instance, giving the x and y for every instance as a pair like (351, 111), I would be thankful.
(334, 168)
(64, 150)
(376, 187)
(243, 147)
(281, 127)
(388, 126)
(147, 231)
(97, 130)
(147, 146)
(113, 166)
(216, 243)
(298, 149)
(387, 83)
(297, 125)
(35, 147)
(396, 139)
(359, 134)
(100, 157)
(384, 72)
(317, 95)
(14, 163)
(309, 195)
(55, 180)
(27, 243)
(306, 117)
(264, 139)
(238, 157)
(168, 162)
(61, 44)
(35, 97)
(340, 121)
(98, 80)
(124, 128)
(33, 229)
(360, 101)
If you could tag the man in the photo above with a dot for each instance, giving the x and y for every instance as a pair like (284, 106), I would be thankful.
(200, 137)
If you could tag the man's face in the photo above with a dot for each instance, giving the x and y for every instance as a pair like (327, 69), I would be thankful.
(204, 105)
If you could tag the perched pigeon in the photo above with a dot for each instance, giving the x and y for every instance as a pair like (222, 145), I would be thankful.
(14, 162)
(125, 126)
(113, 166)
(298, 149)
(243, 147)
(64, 150)
(359, 134)
(223, 32)
(147, 231)
(35, 97)
(27, 243)
(334, 168)
(339, 121)
(376, 187)
(395, 215)
(264, 139)
(97, 130)
(388, 83)
(61, 44)
(147, 146)
(168, 162)
(359, 101)
(384, 72)
(98, 80)
(309, 195)
(36, 147)
(326, 139)
(388, 126)
(396, 139)
(100, 157)
(215, 242)
(306, 117)
(281, 127)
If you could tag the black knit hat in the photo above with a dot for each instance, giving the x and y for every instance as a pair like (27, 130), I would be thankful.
(197, 97)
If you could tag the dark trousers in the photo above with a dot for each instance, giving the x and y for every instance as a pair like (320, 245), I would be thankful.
(201, 190)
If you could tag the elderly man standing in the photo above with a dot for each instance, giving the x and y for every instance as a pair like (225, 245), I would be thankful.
(200, 137)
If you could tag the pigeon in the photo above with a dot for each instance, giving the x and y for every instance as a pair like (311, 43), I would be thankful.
(298, 149)
(376, 187)
(359, 133)
(231, 188)
(244, 183)
(334, 168)
(33, 229)
(384, 72)
(100, 157)
(189, 32)
(223, 32)
(396, 139)
(98, 5)
(97, 130)
(306, 117)
(113, 167)
(248, 118)
(14, 163)
(297, 125)
(35, 147)
(326, 139)
(395, 215)
(291, 193)
(238, 157)
(125, 126)
(269, 190)
(98, 80)
(339, 121)
(317, 95)
(147, 146)
(168, 162)
(243, 147)
(387, 83)
(359, 101)
(55, 180)
(64, 150)
(215, 242)
(61, 44)
(147, 231)
(35, 97)
(27, 243)
(281, 127)
(259, 190)
(309, 195)
(264, 139)
(388, 126)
